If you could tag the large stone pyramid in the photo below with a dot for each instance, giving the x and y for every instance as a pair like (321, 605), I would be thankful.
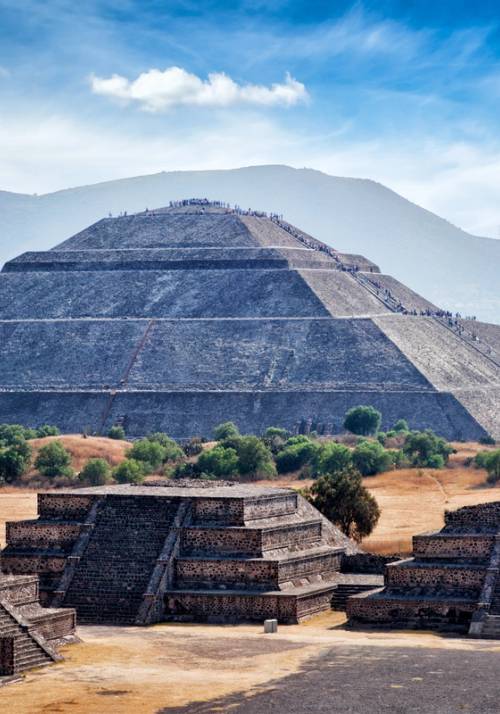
(179, 318)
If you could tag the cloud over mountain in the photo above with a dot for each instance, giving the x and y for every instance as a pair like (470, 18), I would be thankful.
(159, 90)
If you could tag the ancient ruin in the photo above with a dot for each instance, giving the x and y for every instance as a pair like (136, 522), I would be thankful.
(179, 318)
(29, 634)
(208, 551)
(451, 583)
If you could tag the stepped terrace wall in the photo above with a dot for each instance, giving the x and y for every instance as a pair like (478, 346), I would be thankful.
(166, 354)
(150, 293)
(169, 259)
(342, 295)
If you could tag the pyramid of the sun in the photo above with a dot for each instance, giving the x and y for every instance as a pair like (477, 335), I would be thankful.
(179, 318)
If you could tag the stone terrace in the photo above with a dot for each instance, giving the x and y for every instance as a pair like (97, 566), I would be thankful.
(451, 583)
(142, 554)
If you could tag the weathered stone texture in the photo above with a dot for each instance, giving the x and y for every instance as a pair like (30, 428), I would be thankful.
(446, 584)
(249, 551)
(178, 319)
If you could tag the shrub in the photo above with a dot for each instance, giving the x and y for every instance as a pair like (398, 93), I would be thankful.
(401, 425)
(487, 440)
(489, 460)
(422, 448)
(129, 471)
(342, 498)
(227, 430)
(47, 430)
(219, 461)
(13, 464)
(333, 457)
(296, 456)
(274, 431)
(275, 438)
(371, 458)
(96, 472)
(254, 457)
(173, 451)
(116, 432)
(54, 460)
(149, 452)
(364, 420)
(381, 437)
(193, 447)
(12, 434)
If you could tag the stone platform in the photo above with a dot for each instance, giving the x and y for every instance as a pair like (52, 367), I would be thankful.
(451, 583)
(143, 554)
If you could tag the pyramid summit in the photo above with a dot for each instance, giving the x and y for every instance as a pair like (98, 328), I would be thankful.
(178, 318)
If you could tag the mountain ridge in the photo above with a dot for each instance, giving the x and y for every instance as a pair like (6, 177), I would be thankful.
(451, 267)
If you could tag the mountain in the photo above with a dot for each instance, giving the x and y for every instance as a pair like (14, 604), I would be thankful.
(452, 268)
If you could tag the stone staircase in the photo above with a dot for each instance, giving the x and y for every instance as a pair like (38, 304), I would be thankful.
(203, 551)
(29, 634)
(25, 652)
(113, 573)
(344, 591)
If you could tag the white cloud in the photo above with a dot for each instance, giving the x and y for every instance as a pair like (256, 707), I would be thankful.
(157, 90)
(456, 181)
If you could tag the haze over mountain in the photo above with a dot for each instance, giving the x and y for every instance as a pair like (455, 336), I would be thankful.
(448, 266)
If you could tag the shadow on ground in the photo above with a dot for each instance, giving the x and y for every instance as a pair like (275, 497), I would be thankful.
(362, 680)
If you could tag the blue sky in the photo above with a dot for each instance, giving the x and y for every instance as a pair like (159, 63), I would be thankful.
(404, 92)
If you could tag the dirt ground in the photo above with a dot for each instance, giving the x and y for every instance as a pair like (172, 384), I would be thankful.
(144, 670)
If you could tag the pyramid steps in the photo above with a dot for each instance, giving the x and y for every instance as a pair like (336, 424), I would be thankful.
(150, 552)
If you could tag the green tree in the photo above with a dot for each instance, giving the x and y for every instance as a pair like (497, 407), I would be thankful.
(424, 448)
(226, 430)
(333, 457)
(489, 460)
(342, 498)
(129, 471)
(371, 458)
(220, 461)
(13, 463)
(173, 451)
(275, 438)
(363, 420)
(116, 432)
(296, 456)
(401, 425)
(151, 453)
(12, 434)
(54, 460)
(47, 430)
(254, 457)
(96, 472)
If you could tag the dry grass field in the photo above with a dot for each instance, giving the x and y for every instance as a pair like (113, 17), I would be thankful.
(411, 500)
(414, 500)
(82, 449)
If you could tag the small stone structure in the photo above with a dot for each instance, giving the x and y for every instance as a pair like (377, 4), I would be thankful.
(451, 583)
(143, 554)
(29, 633)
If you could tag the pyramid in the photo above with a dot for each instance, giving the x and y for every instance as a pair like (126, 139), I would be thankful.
(179, 318)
